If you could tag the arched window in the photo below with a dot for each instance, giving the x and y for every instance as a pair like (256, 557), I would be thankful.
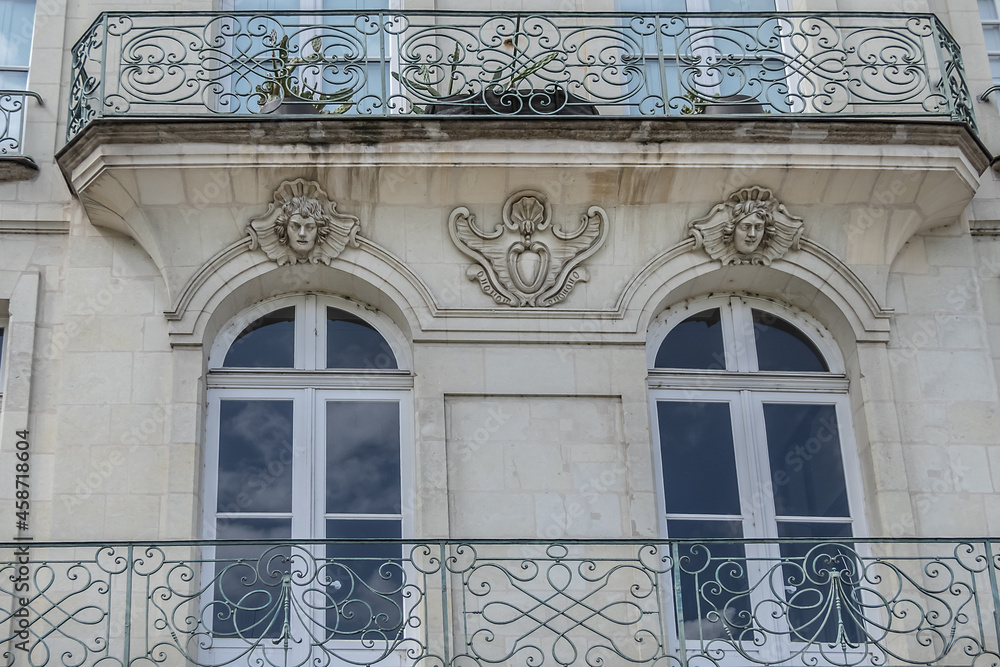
(309, 436)
(753, 440)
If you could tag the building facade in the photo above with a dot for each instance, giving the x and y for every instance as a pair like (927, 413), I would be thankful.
(571, 333)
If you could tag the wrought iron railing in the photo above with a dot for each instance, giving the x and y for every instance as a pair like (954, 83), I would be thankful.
(12, 120)
(163, 64)
(464, 604)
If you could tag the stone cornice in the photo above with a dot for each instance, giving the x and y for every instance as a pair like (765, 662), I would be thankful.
(118, 140)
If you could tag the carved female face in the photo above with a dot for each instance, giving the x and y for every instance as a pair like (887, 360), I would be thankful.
(302, 233)
(748, 234)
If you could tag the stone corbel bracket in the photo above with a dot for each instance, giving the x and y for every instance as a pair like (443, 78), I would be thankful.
(525, 260)
(750, 227)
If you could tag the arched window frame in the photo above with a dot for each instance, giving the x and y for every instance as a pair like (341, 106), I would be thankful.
(307, 385)
(310, 356)
(770, 386)
(741, 360)
(746, 391)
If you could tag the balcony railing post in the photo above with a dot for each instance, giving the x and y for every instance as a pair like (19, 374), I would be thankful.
(445, 622)
(943, 62)
(127, 625)
(383, 64)
(675, 568)
(103, 66)
(991, 568)
(661, 59)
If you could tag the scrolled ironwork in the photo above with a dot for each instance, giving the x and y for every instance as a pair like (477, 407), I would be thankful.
(12, 121)
(854, 65)
(842, 603)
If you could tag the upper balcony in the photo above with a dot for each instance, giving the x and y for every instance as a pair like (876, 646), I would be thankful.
(164, 103)
(331, 65)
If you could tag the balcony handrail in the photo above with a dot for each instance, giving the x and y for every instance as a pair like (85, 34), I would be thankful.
(156, 65)
(459, 603)
(451, 541)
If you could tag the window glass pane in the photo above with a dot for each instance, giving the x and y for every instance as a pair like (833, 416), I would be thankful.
(255, 456)
(992, 34)
(266, 5)
(714, 586)
(672, 6)
(13, 80)
(249, 601)
(16, 23)
(807, 470)
(353, 343)
(741, 5)
(699, 463)
(822, 583)
(988, 10)
(355, 4)
(362, 457)
(267, 343)
(365, 596)
(782, 347)
(694, 343)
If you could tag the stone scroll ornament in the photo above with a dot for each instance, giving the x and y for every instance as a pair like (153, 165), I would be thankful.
(302, 226)
(751, 227)
(526, 260)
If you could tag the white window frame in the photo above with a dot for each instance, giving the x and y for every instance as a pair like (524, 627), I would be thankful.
(25, 69)
(746, 390)
(308, 385)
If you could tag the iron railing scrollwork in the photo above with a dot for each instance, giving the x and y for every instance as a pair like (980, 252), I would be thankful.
(12, 119)
(477, 603)
(850, 65)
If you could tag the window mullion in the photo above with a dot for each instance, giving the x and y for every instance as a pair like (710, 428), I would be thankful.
(759, 467)
(303, 465)
(730, 337)
(751, 497)
(762, 558)
(743, 332)
(313, 332)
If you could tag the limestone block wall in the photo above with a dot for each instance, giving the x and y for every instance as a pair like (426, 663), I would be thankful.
(944, 378)
(32, 280)
(551, 425)
(114, 369)
(988, 271)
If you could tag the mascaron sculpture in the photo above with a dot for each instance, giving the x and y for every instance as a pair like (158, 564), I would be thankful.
(302, 226)
(750, 227)
(526, 260)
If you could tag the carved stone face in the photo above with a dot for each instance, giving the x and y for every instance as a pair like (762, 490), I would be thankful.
(748, 234)
(302, 234)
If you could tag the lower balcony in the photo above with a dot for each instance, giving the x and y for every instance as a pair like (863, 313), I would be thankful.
(474, 603)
